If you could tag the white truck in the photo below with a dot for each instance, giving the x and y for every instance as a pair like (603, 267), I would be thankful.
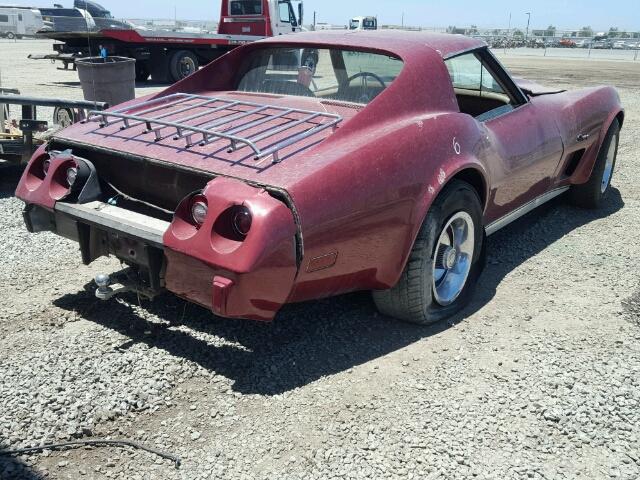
(363, 23)
(18, 22)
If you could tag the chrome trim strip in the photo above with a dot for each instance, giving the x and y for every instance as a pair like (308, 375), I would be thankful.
(523, 210)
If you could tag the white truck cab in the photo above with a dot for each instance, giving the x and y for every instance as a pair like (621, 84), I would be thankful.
(261, 17)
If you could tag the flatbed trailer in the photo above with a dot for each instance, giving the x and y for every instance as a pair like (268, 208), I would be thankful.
(168, 56)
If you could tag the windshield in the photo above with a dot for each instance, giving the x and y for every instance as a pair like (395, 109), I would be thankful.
(335, 74)
(354, 25)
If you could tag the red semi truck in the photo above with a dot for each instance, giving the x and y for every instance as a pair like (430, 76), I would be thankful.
(169, 56)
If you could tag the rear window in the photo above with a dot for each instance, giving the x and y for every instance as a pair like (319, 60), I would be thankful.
(343, 75)
(245, 7)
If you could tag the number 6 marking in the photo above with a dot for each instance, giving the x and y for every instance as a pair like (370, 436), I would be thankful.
(456, 146)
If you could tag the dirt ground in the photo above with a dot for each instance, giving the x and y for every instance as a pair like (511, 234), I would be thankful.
(538, 378)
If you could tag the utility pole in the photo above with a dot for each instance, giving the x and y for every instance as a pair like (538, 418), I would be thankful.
(526, 37)
(314, 20)
(402, 19)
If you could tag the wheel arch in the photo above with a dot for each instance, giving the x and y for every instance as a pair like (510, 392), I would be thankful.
(477, 180)
(467, 169)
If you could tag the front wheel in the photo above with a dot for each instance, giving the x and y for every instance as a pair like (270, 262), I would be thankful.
(592, 193)
(11, 36)
(445, 262)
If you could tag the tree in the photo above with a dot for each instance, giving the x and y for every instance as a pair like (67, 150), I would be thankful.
(473, 30)
(586, 32)
(551, 31)
(613, 31)
(518, 33)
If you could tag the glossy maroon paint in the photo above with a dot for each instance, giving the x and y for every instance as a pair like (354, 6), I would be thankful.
(358, 195)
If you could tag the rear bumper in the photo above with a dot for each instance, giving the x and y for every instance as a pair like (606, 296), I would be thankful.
(102, 229)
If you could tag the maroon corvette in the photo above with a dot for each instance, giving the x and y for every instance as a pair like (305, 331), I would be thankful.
(311, 165)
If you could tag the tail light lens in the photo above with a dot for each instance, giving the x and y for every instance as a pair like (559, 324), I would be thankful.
(199, 209)
(242, 221)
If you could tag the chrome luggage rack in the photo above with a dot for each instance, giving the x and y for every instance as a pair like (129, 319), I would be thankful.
(171, 116)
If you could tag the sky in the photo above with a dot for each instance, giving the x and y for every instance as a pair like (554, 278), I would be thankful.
(599, 14)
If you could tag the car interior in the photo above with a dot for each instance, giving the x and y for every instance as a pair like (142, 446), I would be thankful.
(333, 74)
(480, 93)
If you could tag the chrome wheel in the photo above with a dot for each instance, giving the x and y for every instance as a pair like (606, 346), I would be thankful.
(609, 163)
(453, 258)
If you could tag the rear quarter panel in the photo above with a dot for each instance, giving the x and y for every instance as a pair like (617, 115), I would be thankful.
(365, 210)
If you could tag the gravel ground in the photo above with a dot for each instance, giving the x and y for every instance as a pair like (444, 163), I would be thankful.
(538, 378)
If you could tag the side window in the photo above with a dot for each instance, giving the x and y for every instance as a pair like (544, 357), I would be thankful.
(478, 91)
(468, 73)
(4, 18)
(19, 17)
(285, 16)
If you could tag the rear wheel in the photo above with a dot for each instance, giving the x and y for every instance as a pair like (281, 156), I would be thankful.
(445, 262)
(183, 63)
(11, 35)
(592, 193)
(142, 71)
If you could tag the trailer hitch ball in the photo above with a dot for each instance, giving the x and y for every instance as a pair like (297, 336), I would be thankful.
(104, 291)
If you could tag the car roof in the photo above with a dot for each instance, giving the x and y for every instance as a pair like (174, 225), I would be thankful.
(399, 42)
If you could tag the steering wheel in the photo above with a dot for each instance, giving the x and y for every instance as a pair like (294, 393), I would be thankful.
(363, 86)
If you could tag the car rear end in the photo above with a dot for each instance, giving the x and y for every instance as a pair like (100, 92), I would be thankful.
(215, 241)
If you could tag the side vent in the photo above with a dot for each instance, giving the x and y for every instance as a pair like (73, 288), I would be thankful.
(573, 161)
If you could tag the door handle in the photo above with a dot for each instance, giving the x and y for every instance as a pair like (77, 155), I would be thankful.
(583, 136)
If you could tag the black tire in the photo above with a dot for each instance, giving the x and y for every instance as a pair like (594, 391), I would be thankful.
(10, 35)
(142, 71)
(182, 64)
(412, 299)
(592, 193)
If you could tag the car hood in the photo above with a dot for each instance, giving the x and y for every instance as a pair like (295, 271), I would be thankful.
(292, 163)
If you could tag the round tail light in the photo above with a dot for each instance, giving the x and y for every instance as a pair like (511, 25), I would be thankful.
(242, 221)
(199, 209)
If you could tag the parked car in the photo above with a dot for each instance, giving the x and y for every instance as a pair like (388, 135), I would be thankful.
(253, 184)
(583, 43)
(567, 43)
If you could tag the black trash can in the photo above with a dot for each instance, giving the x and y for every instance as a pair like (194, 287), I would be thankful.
(111, 79)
